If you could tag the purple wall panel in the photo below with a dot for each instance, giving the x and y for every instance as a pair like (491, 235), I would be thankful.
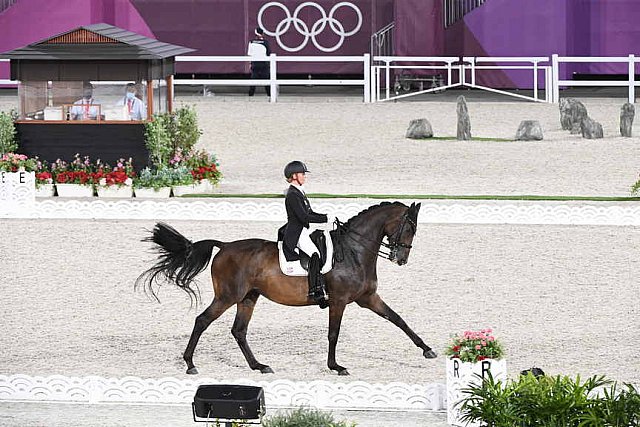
(415, 21)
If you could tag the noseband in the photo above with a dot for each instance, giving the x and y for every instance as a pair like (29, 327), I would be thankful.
(394, 244)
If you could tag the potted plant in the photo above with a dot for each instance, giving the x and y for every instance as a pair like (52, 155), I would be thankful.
(44, 180)
(203, 168)
(183, 182)
(473, 356)
(114, 182)
(154, 183)
(73, 179)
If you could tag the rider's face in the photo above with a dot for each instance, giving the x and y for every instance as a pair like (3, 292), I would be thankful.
(300, 178)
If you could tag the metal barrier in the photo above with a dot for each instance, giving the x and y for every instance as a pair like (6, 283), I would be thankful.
(534, 66)
(273, 82)
(631, 82)
(434, 63)
(455, 10)
(467, 65)
(382, 41)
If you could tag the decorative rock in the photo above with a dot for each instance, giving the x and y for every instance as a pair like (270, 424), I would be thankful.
(577, 113)
(529, 130)
(419, 129)
(627, 113)
(591, 129)
(464, 122)
(565, 116)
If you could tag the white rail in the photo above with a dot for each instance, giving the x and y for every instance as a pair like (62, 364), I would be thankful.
(273, 82)
(630, 83)
(468, 65)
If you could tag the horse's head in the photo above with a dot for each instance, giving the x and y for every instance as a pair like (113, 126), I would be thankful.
(400, 232)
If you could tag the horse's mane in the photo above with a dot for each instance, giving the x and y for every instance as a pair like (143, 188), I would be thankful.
(369, 209)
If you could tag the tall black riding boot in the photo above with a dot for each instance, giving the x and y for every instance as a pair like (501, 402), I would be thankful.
(317, 283)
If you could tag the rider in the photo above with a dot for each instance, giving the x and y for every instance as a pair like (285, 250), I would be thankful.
(296, 230)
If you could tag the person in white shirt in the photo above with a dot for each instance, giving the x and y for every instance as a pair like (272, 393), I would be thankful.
(134, 108)
(259, 48)
(87, 107)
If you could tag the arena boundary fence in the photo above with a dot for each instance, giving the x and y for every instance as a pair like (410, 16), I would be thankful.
(468, 66)
(273, 82)
(326, 395)
(378, 70)
(557, 61)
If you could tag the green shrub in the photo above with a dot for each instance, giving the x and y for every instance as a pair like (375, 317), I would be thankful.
(303, 417)
(551, 402)
(158, 139)
(187, 132)
(8, 143)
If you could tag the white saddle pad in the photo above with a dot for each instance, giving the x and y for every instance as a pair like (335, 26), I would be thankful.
(293, 268)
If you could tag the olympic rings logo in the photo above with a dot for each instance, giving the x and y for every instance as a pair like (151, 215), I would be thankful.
(303, 29)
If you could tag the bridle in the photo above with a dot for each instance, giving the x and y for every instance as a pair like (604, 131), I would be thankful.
(394, 244)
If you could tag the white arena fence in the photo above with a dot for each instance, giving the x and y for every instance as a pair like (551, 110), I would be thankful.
(630, 83)
(273, 82)
(379, 70)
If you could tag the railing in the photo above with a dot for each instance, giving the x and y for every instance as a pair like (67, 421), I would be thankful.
(455, 10)
(382, 41)
(390, 63)
(531, 63)
(469, 65)
(273, 82)
(630, 83)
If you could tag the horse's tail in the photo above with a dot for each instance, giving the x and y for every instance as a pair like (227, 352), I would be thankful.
(179, 260)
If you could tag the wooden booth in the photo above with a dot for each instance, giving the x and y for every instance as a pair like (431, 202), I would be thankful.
(90, 91)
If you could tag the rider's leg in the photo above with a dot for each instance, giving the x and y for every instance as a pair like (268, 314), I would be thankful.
(315, 279)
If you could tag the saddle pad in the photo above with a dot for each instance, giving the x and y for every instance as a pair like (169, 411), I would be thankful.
(293, 268)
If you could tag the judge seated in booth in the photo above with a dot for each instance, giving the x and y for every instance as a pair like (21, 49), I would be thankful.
(86, 108)
(133, 107)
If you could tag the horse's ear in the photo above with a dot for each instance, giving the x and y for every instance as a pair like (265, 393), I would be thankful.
(418, 206)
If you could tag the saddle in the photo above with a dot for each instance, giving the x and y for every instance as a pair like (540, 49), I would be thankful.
(322, 240)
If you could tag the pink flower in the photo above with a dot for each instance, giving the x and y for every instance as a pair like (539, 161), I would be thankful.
(490, 339)
(478, 347)
(483, 342)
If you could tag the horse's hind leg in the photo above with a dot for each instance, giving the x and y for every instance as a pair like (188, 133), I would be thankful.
(203, 321)
(374, 303)
(239, 331)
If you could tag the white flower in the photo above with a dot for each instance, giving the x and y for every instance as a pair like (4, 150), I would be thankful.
(128, 181)
(103, 181)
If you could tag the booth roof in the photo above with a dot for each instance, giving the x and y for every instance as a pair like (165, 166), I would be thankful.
(97, 42)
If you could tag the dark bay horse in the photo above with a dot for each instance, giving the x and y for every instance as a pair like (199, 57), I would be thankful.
(245, 269)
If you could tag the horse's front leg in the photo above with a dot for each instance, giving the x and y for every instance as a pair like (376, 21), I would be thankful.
(374, 303)
(336, 309)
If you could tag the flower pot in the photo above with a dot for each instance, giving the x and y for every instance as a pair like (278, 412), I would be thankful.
(45, 190)
(152, 193)
(115, 191)
(74, 190)
(461, 375)
(202, 187)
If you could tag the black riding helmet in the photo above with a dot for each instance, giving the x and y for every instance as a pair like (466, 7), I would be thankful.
(294, 167)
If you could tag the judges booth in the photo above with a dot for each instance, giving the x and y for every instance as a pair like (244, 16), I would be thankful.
(90, 91)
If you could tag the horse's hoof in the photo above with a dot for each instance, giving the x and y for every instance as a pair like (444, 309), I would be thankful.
(429, 354)
(343, 372)
(266, 370)
(192, 371)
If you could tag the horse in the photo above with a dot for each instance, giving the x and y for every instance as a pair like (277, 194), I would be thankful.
(243, 270)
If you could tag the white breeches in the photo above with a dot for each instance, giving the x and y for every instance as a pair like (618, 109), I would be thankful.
(305, 244)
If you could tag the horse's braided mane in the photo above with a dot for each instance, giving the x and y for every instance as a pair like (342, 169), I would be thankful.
(370, 208)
